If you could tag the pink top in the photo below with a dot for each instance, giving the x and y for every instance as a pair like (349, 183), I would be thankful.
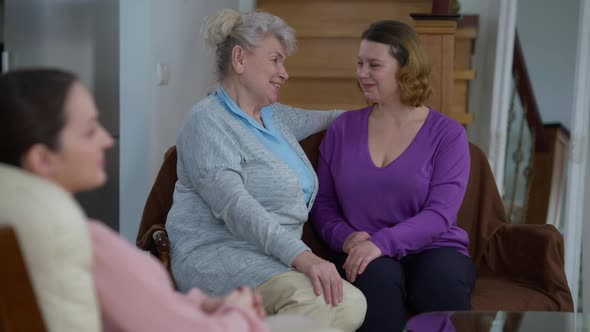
(136, 294)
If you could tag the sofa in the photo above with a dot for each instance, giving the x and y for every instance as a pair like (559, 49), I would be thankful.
(520, 267)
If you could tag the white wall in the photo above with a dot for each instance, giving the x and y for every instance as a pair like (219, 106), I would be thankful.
(247, 5)
(548, 33)
(166, 32)
(586, 235)
(577, 189)
(484, 64)
(470, 6)
(135, 111)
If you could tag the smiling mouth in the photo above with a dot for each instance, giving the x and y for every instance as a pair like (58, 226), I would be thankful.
(276, 85)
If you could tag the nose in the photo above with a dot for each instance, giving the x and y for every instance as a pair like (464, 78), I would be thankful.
(283, 73)
(361, 71)
(107, 139)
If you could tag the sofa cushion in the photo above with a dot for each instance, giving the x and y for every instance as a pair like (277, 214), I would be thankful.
(489, 294)
(53, 234)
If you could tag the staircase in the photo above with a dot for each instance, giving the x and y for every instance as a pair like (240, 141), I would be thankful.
(535, 172)
(323, 70)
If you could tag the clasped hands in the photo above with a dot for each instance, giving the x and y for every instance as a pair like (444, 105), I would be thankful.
(243, 298)
(360, 252)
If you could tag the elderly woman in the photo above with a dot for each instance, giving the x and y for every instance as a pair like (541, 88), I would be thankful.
(392, 180)
(245, 186)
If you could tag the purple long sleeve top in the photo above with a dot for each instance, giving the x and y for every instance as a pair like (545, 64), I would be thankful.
(409, 205)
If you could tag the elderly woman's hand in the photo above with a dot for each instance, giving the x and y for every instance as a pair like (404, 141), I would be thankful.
(323, 274)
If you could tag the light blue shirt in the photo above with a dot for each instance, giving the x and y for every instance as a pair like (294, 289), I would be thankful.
(272, 140)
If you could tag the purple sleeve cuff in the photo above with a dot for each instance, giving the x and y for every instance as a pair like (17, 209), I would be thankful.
(384, 241)
(341, 232)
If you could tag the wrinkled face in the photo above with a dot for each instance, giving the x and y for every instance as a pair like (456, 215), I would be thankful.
(377, 72)
(264, 71)
(79, 163)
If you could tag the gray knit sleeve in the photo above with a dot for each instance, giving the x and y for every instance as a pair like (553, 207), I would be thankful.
(212, 159)
(304, 123)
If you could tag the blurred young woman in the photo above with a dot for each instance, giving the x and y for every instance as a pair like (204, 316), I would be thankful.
(50, 127)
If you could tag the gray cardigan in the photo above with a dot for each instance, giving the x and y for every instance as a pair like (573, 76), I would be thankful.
(238, 211)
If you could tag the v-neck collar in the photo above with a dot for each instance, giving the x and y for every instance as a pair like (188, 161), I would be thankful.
(412, 143)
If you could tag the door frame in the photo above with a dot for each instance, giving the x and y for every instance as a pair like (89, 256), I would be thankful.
(502, 86)
(577, 180)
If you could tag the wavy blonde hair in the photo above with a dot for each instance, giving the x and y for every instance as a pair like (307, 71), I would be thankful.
(228, 28)
(405, 47)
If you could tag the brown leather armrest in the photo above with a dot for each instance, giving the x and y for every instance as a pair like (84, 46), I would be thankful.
(156, 241)
(19, 310)
(162, 244)
(161, 241)
(532, 255)
(146, 242)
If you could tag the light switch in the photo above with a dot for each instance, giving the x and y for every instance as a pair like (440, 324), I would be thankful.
(162, 73)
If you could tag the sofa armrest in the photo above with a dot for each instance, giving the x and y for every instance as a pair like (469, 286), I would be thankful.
(532, 255)
(155, 240)
(162, 244)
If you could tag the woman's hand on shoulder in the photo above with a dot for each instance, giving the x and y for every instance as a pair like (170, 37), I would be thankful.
(323, 274)
(354, 239)
(359, 257)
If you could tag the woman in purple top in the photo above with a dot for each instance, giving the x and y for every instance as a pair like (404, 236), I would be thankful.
(392, 179)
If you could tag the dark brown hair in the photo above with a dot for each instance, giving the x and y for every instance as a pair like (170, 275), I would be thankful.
(405, 47)
(31, 110)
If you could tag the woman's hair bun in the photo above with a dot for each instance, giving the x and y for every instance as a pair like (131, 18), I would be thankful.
(220, 25)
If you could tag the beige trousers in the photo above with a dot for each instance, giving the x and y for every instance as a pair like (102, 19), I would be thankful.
(292, 293)
(295, 323)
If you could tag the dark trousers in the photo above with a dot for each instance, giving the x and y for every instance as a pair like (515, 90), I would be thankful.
(433, 280)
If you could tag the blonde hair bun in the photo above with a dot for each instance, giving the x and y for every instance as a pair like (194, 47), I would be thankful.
(220, 25)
